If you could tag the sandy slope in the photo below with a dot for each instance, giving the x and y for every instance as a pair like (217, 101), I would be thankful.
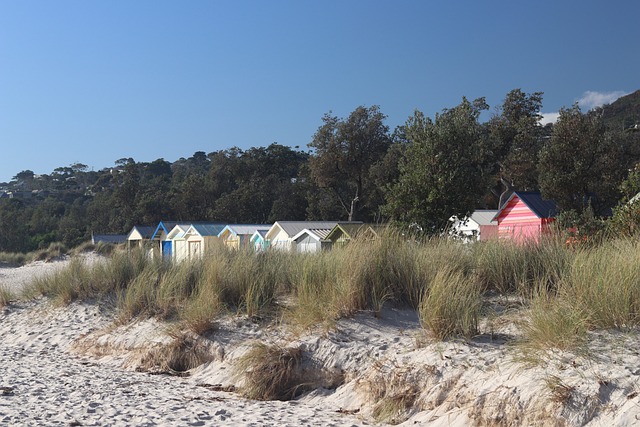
(64, 366)
(43, 384)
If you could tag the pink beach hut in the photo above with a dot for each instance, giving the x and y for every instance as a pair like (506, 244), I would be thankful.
(525, 216)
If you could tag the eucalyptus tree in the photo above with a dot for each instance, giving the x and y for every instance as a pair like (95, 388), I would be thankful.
(344, 150)
(442, 169)
(516, 137)
(582, 164)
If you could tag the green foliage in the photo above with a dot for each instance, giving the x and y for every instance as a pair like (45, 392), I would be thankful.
(515, 139)
(345, 151)
(441, 173)
(581, 164)
(625, 221)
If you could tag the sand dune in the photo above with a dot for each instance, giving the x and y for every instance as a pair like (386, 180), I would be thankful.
(74, 366)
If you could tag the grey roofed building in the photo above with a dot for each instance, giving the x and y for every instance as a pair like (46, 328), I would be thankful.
(484, 216)
(247, 229)
(294, 227)
(114, 239)
(208, 228)
(280, 235)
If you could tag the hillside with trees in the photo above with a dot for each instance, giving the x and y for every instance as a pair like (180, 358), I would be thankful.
(418, 174)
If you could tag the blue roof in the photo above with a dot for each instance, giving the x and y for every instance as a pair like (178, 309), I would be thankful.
(533, 199)
(166, 226)
(208, 229)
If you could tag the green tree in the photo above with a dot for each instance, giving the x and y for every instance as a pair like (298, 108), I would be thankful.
(14, 231)
(441, 173)
(581, 164)
(344, 152)
(516, 139)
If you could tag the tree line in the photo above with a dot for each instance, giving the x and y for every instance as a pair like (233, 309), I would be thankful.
(355, 168)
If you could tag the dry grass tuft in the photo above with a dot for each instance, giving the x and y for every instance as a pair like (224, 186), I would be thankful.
(6, 296)
(271, 372)
(14, 259)
(510, 267)
(184, 353)
(553, 322)
(559, 391)
(395, 390)
(54, 251)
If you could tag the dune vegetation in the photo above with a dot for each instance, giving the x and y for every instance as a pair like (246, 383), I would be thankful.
(563, 291)
(552, 294)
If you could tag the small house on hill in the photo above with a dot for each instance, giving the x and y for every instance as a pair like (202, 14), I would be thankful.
(311, 240)
(280, 235)
(200, 239)
(344, 232)
(259, 240)
(525, 216)
(139, 235)
(480, 225)
(161, 235)
(237, 236)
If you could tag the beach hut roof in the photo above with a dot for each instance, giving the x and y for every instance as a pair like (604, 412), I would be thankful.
(244, 229)
(484, 216)
(259, 233)
(316, 233)
(146, 231)
(542, 208)
(207, 229)
(165, 226)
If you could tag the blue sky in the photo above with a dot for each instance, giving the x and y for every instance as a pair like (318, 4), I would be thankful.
(96, 81)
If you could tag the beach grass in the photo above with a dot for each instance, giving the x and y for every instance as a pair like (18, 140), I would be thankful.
(563, 291)
(451, 305)
(6, 296)
(270, 372)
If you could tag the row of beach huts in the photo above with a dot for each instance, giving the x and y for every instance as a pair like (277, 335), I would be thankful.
(186, 241)
(524, 216)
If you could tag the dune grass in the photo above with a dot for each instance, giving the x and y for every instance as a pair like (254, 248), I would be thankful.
(6, 296)
(605, 282)
(14, 259)
(270, 372)
(451, 306)
(564, 292)
(552, 322)
(518, 268)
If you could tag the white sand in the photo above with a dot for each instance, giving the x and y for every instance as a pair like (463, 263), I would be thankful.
(48, 378)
